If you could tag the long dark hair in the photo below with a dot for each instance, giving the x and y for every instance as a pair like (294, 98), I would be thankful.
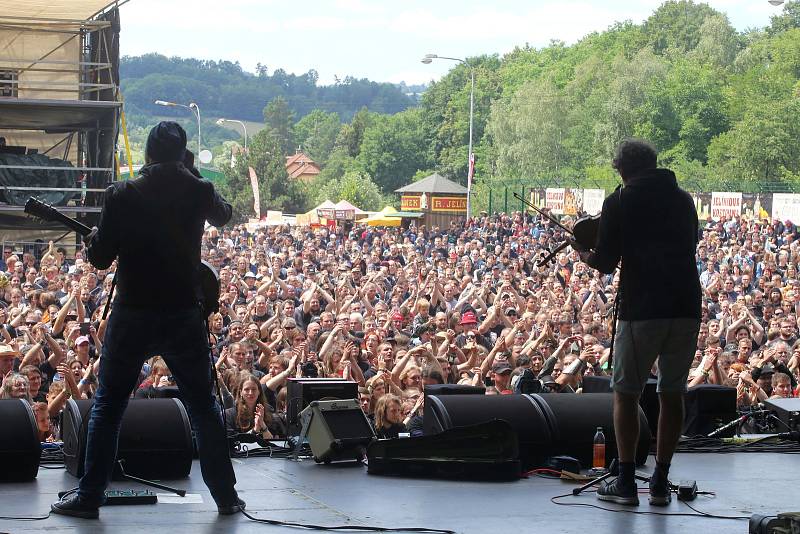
(245, 417)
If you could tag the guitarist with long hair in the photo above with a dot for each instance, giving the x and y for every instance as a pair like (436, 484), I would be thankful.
(153, 226)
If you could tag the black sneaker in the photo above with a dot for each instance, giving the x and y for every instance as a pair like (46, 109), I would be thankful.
(231, 509)
(660, 493)
(74, 507)
(617, 493)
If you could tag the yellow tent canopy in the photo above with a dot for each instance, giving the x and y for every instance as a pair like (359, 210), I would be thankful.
(380, 218)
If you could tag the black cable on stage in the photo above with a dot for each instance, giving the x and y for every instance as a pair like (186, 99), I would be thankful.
(344, 528)
(697, 513)
(39, 518)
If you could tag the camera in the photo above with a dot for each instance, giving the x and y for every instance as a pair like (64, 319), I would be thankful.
(84, 328)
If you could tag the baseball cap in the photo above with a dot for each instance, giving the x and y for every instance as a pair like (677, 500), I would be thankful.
(81, 340)
(249, 274)
(767, 369)
(469, 317)
(501, 367)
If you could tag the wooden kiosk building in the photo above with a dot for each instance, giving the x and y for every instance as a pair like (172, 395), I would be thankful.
(437, 199)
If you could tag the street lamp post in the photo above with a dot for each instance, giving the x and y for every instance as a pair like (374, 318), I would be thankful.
(220, 122)
(194, 108)
(429, 59)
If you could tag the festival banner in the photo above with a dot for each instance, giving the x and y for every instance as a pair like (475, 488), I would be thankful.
(725, 205)
(573, 201)
(256, 196)
(786, 207)
(458, 204)
(537, 198)
(410, 203)
(593, 200)
(756, 205)
(554, 200)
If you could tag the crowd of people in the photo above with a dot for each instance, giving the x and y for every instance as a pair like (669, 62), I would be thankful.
(398, 309)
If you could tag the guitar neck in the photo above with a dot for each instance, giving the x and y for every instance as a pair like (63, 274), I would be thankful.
(72, 224)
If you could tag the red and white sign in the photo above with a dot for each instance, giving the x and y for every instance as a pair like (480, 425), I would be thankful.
(554, 200)
(725, 205)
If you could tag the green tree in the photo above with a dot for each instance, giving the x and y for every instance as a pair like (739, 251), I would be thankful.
(394, 148)
(676, 24)
(446, 113)
(788, 19)
(276, 190)
(279, 121)
(355, 187)
(316, 133)
(761, 149)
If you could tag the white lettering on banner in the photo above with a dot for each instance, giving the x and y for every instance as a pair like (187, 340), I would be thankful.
(725, 205)
(593, 200)
(786, 207)
(554, 200)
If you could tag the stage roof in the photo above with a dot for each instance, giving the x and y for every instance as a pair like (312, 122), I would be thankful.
(64, 10)
(57, 116)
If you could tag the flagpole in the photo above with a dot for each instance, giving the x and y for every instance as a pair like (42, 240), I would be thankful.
(470, 157)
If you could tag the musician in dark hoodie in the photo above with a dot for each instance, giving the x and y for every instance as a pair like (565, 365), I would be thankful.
(651, 225)
(157, 219)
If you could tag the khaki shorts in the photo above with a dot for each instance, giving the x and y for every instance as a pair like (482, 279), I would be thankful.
(639, 343)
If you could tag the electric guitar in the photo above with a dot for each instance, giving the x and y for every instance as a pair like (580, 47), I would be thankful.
(208, 277)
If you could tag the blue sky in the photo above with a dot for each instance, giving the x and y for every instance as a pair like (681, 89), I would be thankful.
(377, 39)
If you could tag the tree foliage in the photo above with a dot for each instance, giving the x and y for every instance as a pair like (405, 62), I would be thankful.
(276, 191)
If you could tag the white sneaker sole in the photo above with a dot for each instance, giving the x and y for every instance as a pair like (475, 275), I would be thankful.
(629, 501)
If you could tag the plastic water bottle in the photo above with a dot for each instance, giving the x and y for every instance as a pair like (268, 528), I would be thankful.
(599, 449)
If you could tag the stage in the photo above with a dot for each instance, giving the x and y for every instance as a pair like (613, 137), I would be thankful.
(340, 495)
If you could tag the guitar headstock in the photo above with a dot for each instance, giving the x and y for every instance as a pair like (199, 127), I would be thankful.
(40, 210)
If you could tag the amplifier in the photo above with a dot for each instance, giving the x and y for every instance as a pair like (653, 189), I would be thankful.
(787, 410)
(336, 430)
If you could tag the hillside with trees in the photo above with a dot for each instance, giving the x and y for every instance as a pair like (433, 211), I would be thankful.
(721, 106)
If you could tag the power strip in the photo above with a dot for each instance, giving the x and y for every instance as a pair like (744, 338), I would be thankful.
(115, 497)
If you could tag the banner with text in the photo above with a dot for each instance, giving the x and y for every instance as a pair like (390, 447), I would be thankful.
(593, 200)
(554, 200)
(786, 207)
(410, 203)
(457, 204)
(725, 205)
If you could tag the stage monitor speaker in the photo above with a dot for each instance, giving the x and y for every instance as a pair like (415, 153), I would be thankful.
(20, 448)
(336, 430)
(596, 384)
(155, 438)
(708, 407)
(522, 412)
(648, 401)
(300, 392)
(575, 418)
(547, 425)
(454, 389)
(787, 410)
(486, 451)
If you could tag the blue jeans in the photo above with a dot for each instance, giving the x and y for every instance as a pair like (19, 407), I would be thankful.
(133, 335)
